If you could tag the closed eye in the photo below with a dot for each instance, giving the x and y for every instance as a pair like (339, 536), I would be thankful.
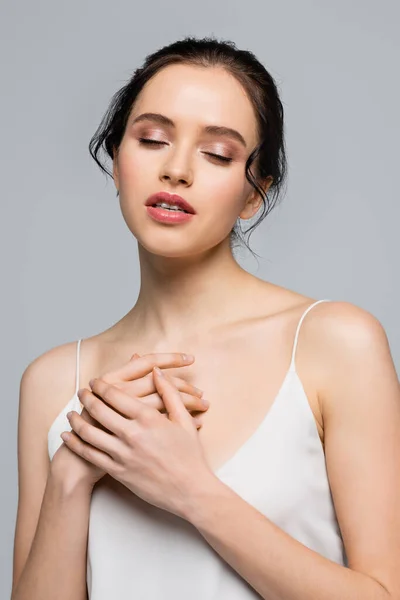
(219, 157)
(147, 141)
(224, 159)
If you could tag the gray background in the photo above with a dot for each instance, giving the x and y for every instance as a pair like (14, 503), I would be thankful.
(334, 236)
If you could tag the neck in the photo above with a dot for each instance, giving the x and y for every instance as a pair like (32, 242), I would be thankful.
(183, 298)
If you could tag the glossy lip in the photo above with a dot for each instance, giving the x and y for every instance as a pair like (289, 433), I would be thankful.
(170, 199)
(163, 215)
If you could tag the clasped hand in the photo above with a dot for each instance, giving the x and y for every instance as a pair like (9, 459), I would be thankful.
(159, 459)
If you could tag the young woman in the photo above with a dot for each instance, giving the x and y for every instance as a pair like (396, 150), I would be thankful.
(289, 487)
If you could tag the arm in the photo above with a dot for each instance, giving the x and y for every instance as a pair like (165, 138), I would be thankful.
(52, 516)
(360, 397)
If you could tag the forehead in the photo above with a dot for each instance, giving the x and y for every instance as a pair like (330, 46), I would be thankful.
(196, 96)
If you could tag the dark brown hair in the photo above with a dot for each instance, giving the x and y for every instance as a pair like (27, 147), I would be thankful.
(269, 155)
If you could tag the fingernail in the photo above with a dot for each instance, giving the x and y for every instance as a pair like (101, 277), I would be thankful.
(188, 357)
(205, 402)
(69, 415)
(91, 382)
(158, 371)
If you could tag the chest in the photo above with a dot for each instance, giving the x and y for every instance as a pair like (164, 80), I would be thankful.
(241, 371)
(242, 380)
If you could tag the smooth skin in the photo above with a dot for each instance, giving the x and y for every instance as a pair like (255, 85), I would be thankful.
(137, 387)
(195, 298)
(49, 493)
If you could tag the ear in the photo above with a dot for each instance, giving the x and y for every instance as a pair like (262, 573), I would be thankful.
(115, 168)
(254, 199)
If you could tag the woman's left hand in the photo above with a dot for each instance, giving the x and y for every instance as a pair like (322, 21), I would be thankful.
(159, 459)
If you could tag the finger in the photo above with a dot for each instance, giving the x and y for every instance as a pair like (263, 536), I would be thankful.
(144, 365)
(197, 420)
(128, 406)
(192, 403)
(145, 385)
(185, 386)
(172, 399)
(87, 417)
(92, 435)
(195, 403)
(93, 455)
(109, 415)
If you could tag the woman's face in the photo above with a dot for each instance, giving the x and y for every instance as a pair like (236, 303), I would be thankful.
(191, 98)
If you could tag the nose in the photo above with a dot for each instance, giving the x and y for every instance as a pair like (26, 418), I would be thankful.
(177, 169)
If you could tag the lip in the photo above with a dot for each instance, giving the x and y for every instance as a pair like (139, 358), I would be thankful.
(171, 217)
(170, 199)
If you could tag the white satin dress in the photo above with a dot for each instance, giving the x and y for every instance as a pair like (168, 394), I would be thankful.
(139, 552)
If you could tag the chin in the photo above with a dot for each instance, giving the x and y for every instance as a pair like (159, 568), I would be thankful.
(170, 250)
(176, 246)
(176, 241)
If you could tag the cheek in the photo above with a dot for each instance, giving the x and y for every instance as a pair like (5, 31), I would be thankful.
(133, 169)
(223, 196)
(135, 173)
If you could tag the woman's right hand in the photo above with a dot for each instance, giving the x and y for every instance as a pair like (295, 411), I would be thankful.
(135, 378)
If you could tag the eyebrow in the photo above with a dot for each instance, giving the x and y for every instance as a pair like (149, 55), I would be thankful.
(212, 129)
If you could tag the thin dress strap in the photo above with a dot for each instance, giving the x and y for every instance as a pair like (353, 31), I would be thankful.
(77, 366)
(292, 363)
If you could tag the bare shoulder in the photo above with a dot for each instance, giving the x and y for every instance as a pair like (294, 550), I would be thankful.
(48, 382)
(345, 342)
(341, 327)
(346, 321)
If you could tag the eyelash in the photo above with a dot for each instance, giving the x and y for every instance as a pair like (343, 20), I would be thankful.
(156, 142)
